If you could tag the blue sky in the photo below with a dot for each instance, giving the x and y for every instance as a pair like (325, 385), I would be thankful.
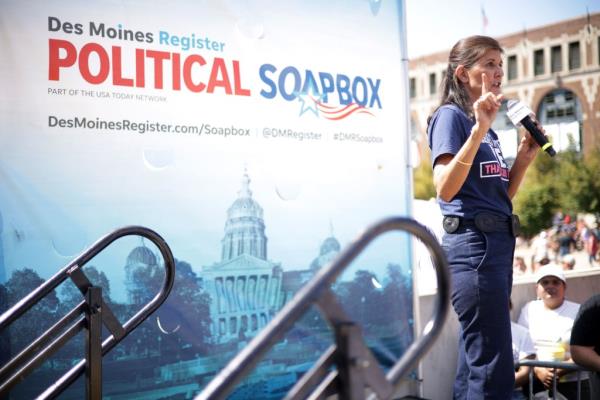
(434, 25)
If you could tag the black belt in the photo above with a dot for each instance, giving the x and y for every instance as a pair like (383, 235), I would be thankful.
(485, 222)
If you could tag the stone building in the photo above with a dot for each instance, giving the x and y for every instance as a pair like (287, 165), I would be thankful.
(554, 69)
(244, 286)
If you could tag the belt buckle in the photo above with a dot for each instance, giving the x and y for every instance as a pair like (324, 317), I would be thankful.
(450, 223)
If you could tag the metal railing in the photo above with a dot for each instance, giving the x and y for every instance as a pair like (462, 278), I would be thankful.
(355, 366)
(573, 368)
(88, 315)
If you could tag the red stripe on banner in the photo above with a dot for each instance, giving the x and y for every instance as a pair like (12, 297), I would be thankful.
(325, 105)
(335, 113)
(359, 110)
(335, 110)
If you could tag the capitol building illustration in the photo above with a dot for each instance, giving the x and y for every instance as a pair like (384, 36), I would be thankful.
(246, 288)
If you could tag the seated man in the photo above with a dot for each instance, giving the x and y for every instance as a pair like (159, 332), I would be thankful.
(585, 341)
(549, 320)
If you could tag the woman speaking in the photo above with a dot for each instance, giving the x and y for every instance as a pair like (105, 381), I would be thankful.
(475, 186)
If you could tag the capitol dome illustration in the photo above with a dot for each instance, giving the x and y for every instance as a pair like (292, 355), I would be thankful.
(330, 248)
(141, 255)
(245, 287)
(140, 258)
(245, 227)
(330, 244)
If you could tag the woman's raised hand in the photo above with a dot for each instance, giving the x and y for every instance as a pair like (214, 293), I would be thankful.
(487, 105)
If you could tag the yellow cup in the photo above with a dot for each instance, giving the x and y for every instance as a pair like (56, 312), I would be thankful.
(550, 352)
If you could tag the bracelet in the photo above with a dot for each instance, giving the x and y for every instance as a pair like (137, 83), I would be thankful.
(464, 163)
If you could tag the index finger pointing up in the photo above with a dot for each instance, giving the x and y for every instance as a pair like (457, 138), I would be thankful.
(485, 84)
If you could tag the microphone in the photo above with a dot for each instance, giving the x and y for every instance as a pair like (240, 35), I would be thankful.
(519, 114)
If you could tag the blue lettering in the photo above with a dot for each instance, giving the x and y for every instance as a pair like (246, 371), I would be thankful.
(358, 80)
(163, 37)
(327, 85)
(375, 92)
(343, 84)
(284, 73)
(310, 84)
(363, 91)
(263, 76)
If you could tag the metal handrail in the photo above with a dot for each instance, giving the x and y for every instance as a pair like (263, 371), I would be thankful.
(569, 366)
(317, 289)
(117, 331)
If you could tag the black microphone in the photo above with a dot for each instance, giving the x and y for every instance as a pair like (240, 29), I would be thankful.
(519, 114)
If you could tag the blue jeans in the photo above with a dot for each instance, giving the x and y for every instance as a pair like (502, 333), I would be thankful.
(518, 395)
(481, 273)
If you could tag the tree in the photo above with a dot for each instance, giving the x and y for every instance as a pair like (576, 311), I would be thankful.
(423, 180)
(71, 295)
(398, 303)
(148, 280)
(535, 205)
(568, 182)
(182, 322)
(363, 301)
(577, 181)
(188, 307)
(35, 321)
(145, 282)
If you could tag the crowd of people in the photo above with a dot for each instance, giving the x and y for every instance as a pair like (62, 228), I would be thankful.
(552, 328)
(570, 242)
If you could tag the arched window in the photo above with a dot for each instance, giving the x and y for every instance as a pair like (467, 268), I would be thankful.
(560, 114)
(559, 106)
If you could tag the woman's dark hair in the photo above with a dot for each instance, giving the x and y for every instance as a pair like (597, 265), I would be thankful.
(465, 52)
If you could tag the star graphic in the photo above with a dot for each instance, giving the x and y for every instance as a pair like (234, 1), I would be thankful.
(308, 102)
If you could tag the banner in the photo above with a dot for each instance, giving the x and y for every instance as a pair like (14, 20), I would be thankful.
(257, 138)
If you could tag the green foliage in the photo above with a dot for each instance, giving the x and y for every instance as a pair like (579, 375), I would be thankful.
(581, 184)
(535, 205)
(567, 182)
(423, 180)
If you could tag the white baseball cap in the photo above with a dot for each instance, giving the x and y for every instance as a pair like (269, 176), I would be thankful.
(569, 259)
(550, 270)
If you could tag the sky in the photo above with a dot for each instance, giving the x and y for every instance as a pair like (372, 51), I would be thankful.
(435, 25)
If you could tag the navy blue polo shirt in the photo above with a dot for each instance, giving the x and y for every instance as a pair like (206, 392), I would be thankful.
(486, 186)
